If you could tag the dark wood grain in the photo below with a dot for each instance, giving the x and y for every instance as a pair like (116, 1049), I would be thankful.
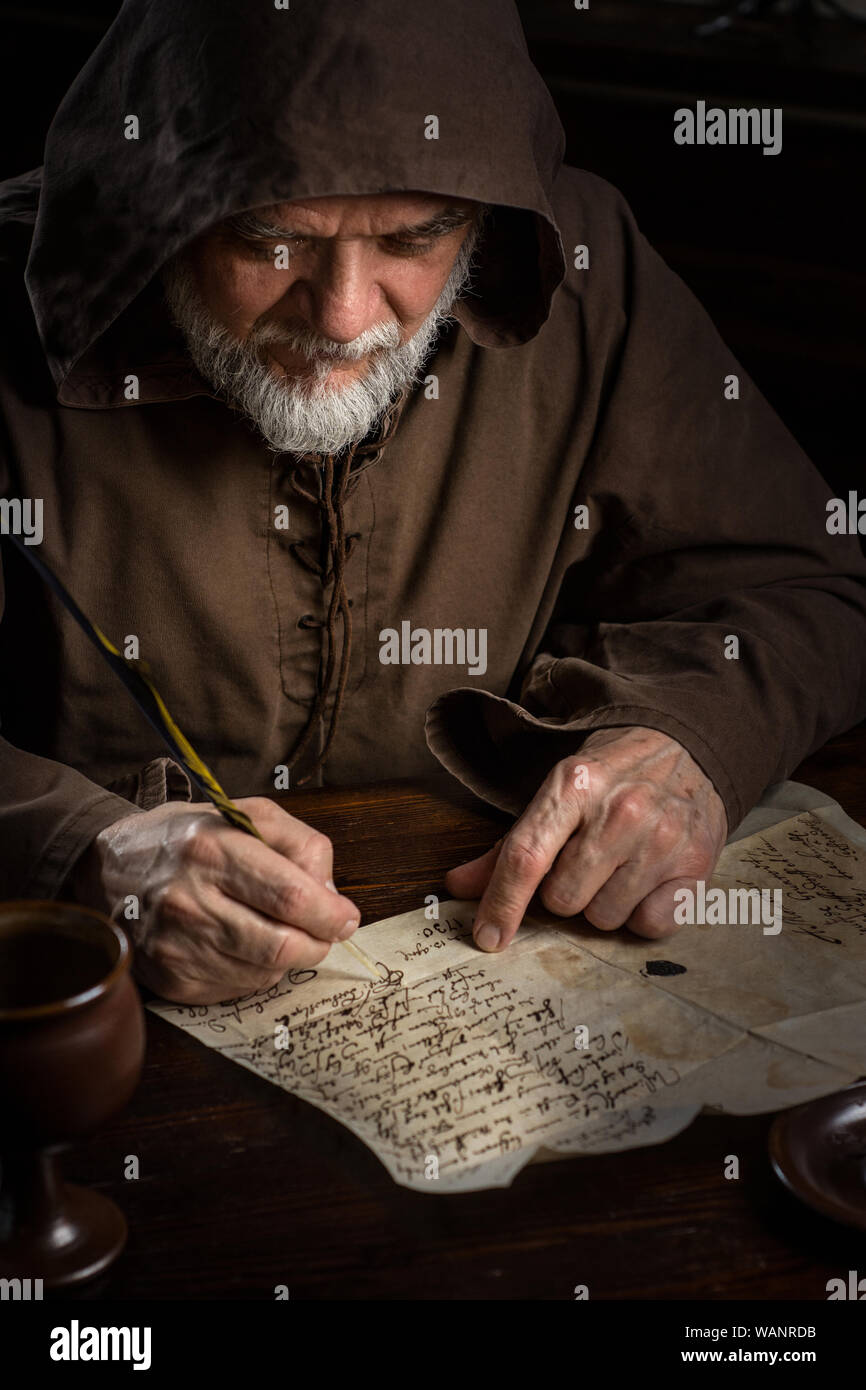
(243, 1187)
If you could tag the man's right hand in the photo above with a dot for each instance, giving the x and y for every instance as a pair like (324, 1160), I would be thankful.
(220, 913)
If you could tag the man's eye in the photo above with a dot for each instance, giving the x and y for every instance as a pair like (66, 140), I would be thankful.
(404, 247)
(268, 250)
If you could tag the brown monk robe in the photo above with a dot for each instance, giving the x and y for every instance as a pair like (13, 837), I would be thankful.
(568, 380)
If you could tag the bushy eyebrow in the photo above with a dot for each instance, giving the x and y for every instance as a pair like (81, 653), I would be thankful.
(251, 227)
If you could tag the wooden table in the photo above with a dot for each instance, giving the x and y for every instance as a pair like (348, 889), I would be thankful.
(243, 1187)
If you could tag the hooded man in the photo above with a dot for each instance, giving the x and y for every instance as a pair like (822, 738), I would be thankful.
(346, 404)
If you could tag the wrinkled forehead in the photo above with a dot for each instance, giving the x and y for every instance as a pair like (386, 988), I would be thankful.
(372, 214)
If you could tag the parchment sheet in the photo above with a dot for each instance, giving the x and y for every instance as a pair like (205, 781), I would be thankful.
(459, 1067)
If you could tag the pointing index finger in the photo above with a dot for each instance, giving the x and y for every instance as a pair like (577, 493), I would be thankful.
(527, 854)
(518, 872)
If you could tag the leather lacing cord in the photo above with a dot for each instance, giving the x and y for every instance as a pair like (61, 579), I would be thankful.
(334, 476)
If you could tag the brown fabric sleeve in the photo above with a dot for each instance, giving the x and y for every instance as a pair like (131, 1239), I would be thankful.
(706, 521)
(159, 781)
(503, 753)
(49, 814)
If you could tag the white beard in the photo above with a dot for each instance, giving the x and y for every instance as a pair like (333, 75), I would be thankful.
(300, 416)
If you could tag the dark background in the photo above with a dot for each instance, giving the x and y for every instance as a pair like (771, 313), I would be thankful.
(772, 245)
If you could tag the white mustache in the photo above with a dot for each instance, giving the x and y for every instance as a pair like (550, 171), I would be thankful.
(305, 414)
(312, 347)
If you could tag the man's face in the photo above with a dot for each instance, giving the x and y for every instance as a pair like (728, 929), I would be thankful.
(312, 315)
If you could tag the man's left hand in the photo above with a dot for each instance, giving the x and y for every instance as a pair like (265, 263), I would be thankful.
(612, 832)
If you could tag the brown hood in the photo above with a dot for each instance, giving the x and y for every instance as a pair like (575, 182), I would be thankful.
(240, 106)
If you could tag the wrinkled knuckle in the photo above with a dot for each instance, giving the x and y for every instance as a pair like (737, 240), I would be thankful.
(632, 806)
(697, 864)
(290, 901)
(198, 845)
(188, 846)
(173, 905)
(318, 844)
(523, 857)
(557, 898)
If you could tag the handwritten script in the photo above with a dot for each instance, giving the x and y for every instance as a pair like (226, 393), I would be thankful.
(457, 1067)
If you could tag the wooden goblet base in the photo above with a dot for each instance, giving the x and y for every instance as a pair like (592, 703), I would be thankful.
(51, 1230)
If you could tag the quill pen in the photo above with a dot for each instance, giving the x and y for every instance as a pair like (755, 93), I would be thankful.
(135, 675)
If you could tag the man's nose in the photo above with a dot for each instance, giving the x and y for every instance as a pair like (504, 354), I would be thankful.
(338, 296)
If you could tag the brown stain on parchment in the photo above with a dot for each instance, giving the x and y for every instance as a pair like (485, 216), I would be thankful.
(649, 1043)
(563, 964)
